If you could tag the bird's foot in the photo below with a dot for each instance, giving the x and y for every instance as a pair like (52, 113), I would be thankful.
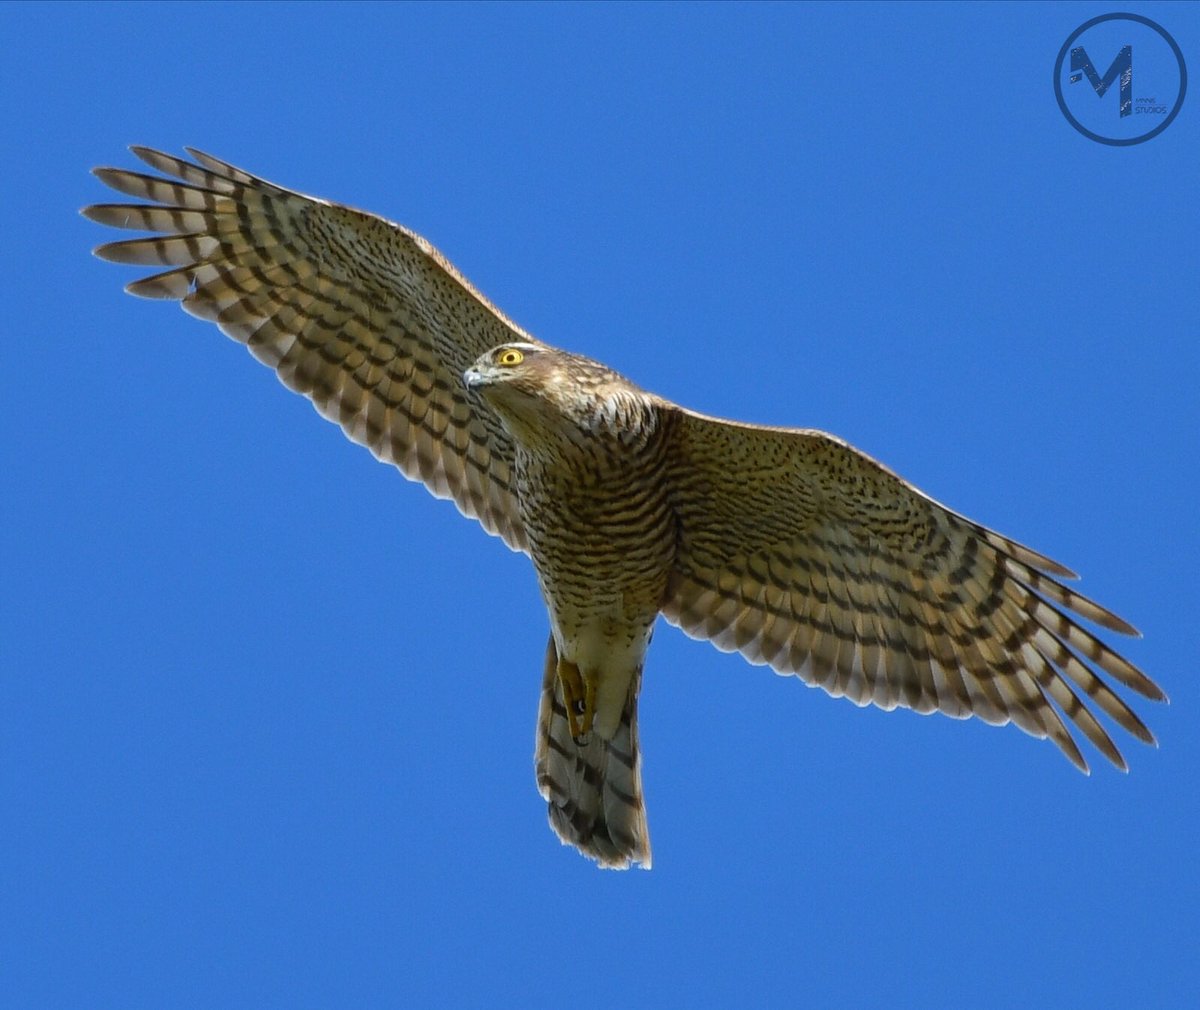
(579, 697)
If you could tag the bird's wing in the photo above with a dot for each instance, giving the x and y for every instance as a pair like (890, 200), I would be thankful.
(360, 315)
(800, 552)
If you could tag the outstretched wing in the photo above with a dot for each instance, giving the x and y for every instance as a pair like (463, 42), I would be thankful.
(800, 552)
(362, 316)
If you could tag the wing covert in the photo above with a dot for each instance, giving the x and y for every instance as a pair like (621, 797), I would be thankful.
(360, 315)
(802, 553)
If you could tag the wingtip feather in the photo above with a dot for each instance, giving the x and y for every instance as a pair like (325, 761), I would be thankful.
(1073, 754)
(1119, 625)
(171, 286)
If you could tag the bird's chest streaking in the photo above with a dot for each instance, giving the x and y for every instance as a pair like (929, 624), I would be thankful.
(589, 476)
(602, 539)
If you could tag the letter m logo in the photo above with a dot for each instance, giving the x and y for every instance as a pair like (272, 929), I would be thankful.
(1081, 66)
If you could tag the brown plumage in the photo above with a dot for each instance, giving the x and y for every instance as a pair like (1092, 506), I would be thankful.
(788, 546)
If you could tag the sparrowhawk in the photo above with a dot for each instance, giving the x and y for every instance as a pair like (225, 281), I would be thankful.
(786, 545)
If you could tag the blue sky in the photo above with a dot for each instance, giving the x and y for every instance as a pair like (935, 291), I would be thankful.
(268, 709)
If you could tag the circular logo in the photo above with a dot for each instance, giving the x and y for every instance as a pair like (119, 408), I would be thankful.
(1120, 79)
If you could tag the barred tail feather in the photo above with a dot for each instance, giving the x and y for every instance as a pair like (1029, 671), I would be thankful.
(594, 790)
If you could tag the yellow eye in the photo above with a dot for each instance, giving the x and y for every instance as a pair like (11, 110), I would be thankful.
(509, 357)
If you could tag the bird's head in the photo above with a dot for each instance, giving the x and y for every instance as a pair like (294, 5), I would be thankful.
(539, 391)
(512, 371)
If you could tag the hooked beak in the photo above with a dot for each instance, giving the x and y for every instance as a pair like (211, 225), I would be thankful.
(473, 378)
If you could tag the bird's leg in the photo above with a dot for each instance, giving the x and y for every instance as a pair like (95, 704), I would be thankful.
(579, 697)
(589, 705)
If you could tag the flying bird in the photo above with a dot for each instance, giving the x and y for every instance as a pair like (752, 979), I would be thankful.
(786, 545)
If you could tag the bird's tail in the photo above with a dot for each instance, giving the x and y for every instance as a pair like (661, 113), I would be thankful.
(594, 790)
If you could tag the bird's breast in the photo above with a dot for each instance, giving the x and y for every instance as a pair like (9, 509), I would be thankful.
(602, 538)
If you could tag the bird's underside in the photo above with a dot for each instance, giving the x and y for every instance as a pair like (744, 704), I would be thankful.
(785, 545)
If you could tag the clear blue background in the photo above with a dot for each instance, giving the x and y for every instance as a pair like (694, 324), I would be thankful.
(268, 709)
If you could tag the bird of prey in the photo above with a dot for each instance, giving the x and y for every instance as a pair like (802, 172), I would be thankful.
(786, 545)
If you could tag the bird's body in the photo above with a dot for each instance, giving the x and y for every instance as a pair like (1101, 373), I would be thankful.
(601, 535)
(602, 549)
(786, 545)
(590, 473)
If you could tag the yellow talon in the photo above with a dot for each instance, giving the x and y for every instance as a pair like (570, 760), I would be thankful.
(579, 697)
(589, 704)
